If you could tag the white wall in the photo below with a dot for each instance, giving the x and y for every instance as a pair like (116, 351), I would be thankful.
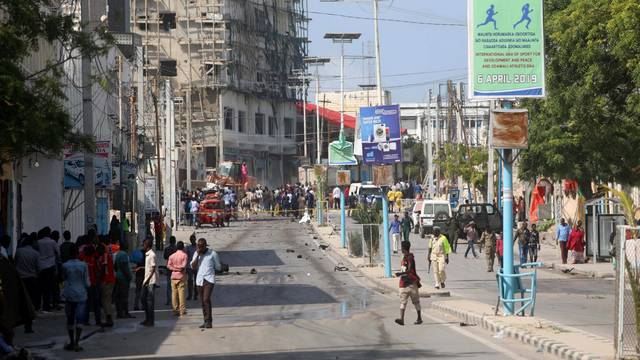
(41, 194)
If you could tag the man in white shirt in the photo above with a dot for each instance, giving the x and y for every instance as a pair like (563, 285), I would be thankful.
(336, 197)
(150, 277)
(193, 209)
(205, 262)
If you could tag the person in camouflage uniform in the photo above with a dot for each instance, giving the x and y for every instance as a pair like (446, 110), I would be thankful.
(488, 240)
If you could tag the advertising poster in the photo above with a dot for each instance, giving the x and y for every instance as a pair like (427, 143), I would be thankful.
(506, 49)
(380, 134)
(74, 166)
(150, 195)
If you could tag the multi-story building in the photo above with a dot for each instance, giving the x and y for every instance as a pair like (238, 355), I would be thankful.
(229, 62)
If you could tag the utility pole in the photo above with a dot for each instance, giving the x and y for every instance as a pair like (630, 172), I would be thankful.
(304, 116)
(167, 145)
(437, 141)
(490, 163)
(318, 143)
(121, 125)
(457, 106)
(378, 61)
(429, 148)
(189, 110)
(87, 124)
(157, 140)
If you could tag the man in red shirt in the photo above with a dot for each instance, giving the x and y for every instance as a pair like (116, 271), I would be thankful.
(409, 283)
(177, 263)
(108, 281)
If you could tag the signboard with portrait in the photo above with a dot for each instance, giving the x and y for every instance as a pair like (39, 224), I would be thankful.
(380, 133)
(509, 129)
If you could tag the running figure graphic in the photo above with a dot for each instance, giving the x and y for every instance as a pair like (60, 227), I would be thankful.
(525, 16)
(490, 13)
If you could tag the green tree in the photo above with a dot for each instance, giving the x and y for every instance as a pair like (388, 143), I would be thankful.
(414, 170)
(32, 116)
(467, 162)
(587, 128)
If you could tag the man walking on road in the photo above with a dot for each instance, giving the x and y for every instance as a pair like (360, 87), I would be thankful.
(177, 263)
(472, 237)
(439, 250)
(206, 262)
(488, 240)
(522, 237)
(191, 273)
(168, 251)
(409, 283)
(394, 228)
(407, 225)
(562, 235)
(150, 278)
(534, 243)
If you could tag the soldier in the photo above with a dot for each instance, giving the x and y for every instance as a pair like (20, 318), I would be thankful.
(439, 250)
(488, 240)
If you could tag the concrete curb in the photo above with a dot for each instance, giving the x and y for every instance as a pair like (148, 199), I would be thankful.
(542, 343)
(378, 282)
(590, 273)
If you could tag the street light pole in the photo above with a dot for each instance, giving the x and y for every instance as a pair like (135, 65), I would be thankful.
(378, 65)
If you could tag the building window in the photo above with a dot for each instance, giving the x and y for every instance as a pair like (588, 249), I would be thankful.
(259, 119)
(288, 128)
(242, 121)
(273, 126)
(228, 118)
(210, 156)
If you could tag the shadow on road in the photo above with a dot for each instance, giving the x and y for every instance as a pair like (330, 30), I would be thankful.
(230, 295)
(250, 258)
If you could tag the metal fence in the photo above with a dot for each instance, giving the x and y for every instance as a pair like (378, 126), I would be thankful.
(365, 241)
(627, 329)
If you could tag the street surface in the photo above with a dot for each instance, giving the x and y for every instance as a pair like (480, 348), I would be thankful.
(564, 298)
(292, 308)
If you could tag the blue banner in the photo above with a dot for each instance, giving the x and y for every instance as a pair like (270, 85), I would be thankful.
(380, 134)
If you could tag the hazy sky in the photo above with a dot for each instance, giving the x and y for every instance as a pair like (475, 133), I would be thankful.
(414, 56)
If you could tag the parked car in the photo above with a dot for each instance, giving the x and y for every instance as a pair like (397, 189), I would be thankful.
(434, 213)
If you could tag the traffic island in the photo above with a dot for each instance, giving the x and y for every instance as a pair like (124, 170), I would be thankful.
(562, 341)
(328, 236)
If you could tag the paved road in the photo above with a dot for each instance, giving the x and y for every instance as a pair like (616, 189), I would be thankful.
(293, 308)
(571, 300)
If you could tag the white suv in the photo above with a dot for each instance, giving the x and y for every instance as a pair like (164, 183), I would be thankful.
(433, 211)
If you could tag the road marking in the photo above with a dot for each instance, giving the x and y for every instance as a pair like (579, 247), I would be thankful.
(475, 337)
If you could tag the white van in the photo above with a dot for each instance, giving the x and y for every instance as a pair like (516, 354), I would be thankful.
(438, 211)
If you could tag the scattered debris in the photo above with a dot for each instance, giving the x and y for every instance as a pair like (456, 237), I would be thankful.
(313, 249)
(237, 272)
(462, 323)
(288, 275)
(308, 274)
(299, 256)
(499, 335)
(253, 271)
(305, 244)
(323, 247)
(340, 267)
(566, 271)
(290, 251)
(315, 237)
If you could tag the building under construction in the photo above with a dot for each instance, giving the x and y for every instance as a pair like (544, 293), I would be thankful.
(228, 62)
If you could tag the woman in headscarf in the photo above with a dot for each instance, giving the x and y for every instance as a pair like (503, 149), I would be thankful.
(576, 243)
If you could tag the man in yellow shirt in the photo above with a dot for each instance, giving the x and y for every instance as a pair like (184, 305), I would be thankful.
(398, 197)
(391, 196)
(439, 250)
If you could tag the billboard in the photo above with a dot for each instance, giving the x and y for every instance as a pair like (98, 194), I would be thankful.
(506, 49)
(380, 134)
(74, 166)
(150, 195)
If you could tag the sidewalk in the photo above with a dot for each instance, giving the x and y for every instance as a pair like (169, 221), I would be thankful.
(468, 279)
(549, 255)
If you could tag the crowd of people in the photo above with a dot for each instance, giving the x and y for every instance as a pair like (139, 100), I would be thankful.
(90, 277)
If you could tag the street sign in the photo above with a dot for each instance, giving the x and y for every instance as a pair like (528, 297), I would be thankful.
(509, 129)
(343, 177)
(506, 49)
(380, 134)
